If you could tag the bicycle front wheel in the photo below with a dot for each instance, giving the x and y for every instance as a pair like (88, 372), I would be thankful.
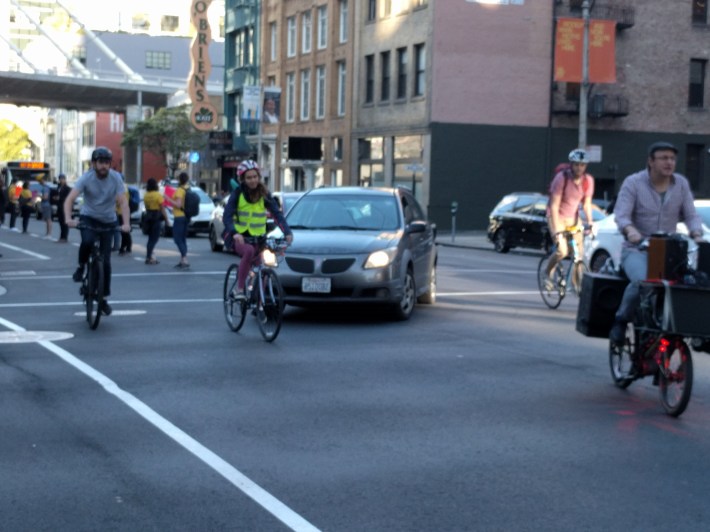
(549, 286)
(94, 293)
(234, 311)
(675, 376)
(269, 313)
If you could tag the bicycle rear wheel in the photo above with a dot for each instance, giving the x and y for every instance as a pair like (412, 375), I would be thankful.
(553, 296)
(234, 311)
(578, 271)
(621, 358)
(269, 312)
(675, 376)
(94, 293)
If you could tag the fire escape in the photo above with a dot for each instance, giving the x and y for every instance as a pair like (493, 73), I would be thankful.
(611, 102)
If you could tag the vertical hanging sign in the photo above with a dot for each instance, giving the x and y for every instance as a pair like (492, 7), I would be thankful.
(203, 115)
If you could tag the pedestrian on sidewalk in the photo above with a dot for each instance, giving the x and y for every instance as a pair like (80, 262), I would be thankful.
(26, 205)
(179, 219)
(63, 191)
(153, 218)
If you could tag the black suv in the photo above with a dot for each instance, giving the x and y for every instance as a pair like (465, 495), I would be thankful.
(519, 220)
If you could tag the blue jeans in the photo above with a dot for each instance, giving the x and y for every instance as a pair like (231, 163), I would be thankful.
(635, 265)
(180, 234)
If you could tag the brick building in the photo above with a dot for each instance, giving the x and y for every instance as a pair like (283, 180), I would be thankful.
(456, 98)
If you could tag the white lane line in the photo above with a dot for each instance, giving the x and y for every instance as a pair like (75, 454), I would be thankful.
(498, 293)
(267, 501)
(113, 302)
(27, 252)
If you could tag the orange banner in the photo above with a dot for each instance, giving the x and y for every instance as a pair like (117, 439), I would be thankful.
(602, 52)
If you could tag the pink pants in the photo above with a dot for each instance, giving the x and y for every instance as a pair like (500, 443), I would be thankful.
(249, 254)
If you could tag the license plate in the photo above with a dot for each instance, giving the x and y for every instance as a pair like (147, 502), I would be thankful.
(320, 285)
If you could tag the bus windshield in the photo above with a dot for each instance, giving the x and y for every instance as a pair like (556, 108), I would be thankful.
(27, 171)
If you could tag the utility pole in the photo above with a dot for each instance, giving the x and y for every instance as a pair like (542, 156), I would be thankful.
(584, 88)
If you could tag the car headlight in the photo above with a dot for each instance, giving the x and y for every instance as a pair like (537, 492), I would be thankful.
(380, 259)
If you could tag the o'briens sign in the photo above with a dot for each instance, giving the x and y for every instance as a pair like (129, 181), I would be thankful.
(204, 114)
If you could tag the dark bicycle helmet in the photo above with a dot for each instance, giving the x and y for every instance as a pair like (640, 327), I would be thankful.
(101, 152)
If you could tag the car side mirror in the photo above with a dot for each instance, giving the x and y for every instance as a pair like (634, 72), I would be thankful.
(416, 227)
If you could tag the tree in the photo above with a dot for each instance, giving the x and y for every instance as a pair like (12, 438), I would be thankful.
(168, 134)
(14, 141)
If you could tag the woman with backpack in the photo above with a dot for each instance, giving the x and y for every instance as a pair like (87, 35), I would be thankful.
(153, 218)
(180, 221)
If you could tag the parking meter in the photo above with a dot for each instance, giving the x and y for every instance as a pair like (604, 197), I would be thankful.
(454, 208)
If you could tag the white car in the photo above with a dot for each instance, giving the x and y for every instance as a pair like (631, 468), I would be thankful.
(606, 241)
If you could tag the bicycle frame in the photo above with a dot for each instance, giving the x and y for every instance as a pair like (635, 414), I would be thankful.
(563, 276)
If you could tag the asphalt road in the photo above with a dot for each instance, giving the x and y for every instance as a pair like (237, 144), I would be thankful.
(486, 411)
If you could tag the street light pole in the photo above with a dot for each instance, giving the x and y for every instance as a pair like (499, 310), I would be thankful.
(584, 88)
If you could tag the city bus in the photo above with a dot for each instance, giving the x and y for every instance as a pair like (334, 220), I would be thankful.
(26, 171)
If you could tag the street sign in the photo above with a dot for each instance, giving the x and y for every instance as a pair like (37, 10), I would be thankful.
(415, 167)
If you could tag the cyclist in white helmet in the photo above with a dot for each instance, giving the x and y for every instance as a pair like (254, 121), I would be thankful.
(570, 188)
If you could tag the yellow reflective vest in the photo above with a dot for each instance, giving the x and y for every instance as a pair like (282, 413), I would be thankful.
(250, 217)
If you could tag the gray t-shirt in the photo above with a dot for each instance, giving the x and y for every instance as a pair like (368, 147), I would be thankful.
(100, 195)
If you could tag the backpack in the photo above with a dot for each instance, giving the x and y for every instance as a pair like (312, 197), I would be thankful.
(192, 203)
(134, 199)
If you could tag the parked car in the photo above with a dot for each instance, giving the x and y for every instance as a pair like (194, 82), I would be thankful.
(360, 245)
(606, 241)
(520, 220)
(198, 224)
(285, 199)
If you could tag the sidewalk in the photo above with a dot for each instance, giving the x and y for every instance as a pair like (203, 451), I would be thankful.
(464, 239)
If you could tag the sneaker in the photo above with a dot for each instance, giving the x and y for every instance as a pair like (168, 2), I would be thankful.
(617, 335)
(239, 297)
(549, 285)
(106, 309)
(78, 274)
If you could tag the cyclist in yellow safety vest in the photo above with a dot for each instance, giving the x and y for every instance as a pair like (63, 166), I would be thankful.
(245, 216)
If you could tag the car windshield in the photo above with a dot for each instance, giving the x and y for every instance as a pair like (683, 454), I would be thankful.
(356, 212)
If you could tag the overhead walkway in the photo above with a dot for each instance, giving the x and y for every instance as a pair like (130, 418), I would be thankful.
(83, 94)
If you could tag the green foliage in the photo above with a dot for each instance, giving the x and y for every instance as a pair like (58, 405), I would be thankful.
(168, 134)
(14, 141)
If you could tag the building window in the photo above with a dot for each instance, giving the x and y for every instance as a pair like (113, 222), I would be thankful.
(169, 23)
(320, 91)
(700, 11)
(79, 53)
(291, 36)
(369, 78)
(140, 21)
(271, 81)
(341, 88)
(696, 89)
(419, 69)
(694, 167)
(87, 134)
(305, 94)
(273, 41)
(306, 32)
(385, 76)
(371, 10)
(290, 97)
(401, 73)
(158, 60)
(337, 148)
(343, 31)
(322, 27)
(386, 8)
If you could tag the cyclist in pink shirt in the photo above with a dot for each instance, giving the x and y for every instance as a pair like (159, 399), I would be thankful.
(570, 188)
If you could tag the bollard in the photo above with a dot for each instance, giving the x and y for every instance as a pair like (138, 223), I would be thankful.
(454, 208)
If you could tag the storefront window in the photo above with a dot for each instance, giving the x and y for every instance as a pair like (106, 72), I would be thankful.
(372, 175)
(408, 147)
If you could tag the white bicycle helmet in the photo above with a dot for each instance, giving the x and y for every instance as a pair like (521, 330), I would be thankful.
(578, 156)
(244, 166)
